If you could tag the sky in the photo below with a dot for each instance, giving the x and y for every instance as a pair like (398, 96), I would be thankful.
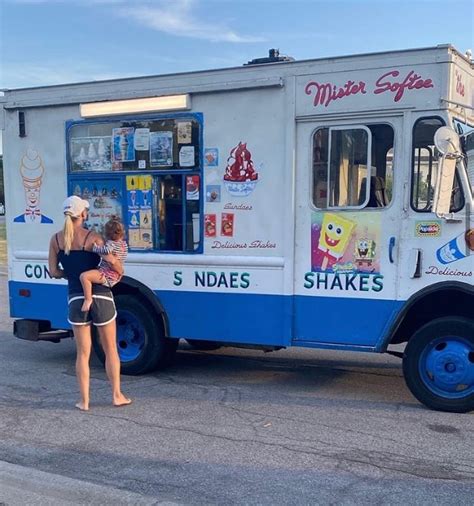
(45, 42)
(59, 41)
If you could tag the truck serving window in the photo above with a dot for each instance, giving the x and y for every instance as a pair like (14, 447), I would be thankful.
(146, 171)
(353, 167)
(425, 163)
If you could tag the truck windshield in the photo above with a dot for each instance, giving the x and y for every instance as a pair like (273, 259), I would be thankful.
(469, 150)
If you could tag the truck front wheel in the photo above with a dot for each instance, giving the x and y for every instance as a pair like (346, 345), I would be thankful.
(438, 364)
(141, 342)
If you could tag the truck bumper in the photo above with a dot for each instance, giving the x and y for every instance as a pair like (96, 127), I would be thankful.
(38, 330)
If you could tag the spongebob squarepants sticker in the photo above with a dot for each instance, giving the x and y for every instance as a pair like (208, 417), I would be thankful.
(345, 252)
(364, 253)
(32, 172)
(346, 243)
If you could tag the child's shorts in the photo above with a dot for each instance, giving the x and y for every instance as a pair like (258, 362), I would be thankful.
(109, 277)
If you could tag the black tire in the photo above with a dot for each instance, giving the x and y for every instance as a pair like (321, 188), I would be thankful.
(152, 350)
(199, 344)
(435, 337)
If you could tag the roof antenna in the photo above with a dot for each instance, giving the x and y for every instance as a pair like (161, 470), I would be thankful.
(273, 57)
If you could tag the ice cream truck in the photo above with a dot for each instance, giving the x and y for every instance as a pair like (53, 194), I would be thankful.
(324, 203)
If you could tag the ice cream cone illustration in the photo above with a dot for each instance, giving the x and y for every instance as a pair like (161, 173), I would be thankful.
(134, 220)
(101, 149)
(240, 176)
(133, 198)
(91, 154)
(32, 172)
(145, 197)
(123, 144)
(81, 159)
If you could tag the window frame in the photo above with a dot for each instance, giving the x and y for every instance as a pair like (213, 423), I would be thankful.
(356, 126)
(429, 206)
(369, 165)
(154, 172)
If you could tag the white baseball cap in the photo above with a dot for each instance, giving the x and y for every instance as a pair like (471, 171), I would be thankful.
(74, 206)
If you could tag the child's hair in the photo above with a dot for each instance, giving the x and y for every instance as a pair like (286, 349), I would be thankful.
(114, 230)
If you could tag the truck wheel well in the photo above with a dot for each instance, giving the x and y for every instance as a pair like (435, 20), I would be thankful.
(130, 286)
(435, 304)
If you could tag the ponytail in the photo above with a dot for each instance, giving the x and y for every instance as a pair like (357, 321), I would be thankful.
(68, 232)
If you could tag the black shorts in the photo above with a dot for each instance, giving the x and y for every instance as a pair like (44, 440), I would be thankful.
(100, 313)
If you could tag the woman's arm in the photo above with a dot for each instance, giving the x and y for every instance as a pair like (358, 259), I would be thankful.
(115, 263)
(53, 262)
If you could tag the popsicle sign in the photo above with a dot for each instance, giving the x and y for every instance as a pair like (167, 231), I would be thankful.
(344, 244)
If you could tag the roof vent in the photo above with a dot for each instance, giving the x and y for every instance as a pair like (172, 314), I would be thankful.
(273, 57)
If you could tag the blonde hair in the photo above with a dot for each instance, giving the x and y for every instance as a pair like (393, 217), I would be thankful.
(68, 231)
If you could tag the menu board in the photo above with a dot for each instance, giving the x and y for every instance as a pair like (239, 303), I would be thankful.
(91, 153)
(157, 144)
(105, 201)
(139, 215)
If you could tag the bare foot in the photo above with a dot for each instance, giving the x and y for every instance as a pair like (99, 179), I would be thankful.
(87, 305)
(121, 400)
(82, 406)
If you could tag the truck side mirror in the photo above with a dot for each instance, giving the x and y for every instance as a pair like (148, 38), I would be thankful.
(448, 144)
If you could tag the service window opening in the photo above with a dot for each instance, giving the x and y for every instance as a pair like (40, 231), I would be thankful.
(146, 171)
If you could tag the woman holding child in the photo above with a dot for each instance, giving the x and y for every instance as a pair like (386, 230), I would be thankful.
(72, 255)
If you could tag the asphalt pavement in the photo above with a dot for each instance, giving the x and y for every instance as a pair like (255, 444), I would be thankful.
(226, 427)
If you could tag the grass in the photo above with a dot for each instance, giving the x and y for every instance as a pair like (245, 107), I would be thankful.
(3, 245)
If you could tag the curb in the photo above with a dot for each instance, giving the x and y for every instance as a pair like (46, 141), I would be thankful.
(25, 485)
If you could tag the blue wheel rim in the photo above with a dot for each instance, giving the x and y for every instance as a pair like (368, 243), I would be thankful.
(446, 367)
(130, 336)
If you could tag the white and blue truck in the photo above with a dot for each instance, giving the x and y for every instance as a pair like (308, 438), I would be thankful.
(323, 203)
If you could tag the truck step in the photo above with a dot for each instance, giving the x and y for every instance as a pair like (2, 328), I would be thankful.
(35, 330)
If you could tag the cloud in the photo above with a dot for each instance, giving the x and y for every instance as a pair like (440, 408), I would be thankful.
(174, 17)
(26, 75)
(177, 19)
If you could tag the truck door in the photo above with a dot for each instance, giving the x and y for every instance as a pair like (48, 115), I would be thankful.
(434, 250)
(348, 206)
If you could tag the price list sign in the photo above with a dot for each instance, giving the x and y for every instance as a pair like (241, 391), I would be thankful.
(139, 202)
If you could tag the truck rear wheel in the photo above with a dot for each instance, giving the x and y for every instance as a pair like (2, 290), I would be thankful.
(438, 364)
(141, 342)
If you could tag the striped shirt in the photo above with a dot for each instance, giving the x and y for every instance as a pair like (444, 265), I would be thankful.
(117, 248)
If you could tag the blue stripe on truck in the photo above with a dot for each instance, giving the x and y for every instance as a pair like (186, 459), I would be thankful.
(239, 318)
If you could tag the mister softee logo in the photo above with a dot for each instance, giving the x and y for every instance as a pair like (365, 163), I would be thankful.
(391, 82)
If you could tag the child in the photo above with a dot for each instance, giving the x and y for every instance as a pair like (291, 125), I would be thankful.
(104, 274)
